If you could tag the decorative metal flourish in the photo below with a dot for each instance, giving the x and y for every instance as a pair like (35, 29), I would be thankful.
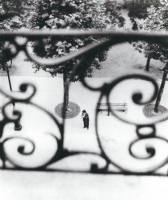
(143, 150)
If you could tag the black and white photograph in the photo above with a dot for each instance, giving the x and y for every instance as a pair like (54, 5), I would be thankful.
(83, 99)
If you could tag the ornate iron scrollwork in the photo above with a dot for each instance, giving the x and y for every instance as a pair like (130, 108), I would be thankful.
(143, 149)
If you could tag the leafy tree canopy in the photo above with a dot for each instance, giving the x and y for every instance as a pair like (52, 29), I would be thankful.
(138, 8)
(13, 16)
(156, 20)
(73, 14)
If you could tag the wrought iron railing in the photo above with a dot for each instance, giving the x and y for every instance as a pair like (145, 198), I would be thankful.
(128, 143)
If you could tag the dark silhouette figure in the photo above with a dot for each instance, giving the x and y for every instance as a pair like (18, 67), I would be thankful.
(85, 118)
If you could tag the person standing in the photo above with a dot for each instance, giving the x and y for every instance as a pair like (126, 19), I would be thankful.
(85, 118)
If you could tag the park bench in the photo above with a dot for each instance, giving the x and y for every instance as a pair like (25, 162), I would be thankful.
(121, 107)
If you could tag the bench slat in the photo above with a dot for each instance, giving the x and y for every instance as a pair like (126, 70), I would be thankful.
(122, 107)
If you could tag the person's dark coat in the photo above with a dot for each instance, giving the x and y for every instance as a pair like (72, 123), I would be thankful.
(85, 117)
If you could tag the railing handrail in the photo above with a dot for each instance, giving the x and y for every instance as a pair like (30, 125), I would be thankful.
(92, 32)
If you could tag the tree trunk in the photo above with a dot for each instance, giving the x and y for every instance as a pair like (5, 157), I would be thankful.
(147, 64)
(66, 90)
(8, 75)
(159, 96)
